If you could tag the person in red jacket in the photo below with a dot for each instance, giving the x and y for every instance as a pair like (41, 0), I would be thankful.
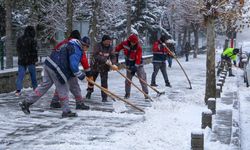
(133, 60)
(73, 82)
(160, 53)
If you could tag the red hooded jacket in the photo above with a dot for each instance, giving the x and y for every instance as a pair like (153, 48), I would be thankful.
(131, 53)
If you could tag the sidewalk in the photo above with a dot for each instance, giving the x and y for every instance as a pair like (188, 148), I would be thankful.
(225, 123)
(168, 120)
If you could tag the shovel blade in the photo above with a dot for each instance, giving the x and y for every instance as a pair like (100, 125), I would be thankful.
(160, 93)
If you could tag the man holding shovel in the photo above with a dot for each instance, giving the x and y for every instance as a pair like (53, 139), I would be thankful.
(160, 53)
(133, 60)
(102, 56)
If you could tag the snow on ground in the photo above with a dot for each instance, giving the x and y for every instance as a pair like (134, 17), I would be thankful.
(244, 96)
(167, 124)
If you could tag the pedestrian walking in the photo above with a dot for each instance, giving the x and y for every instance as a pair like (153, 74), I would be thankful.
(27, 58)
(171, 45)
(187, 50)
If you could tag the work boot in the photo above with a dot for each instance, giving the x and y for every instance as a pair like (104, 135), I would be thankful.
(25, 107)
(55, 105)
(104, 100)
(127, 96)
(18, 93)
(146, 97)
(88, 95)
(82, 106)
(168, 84)
(69, 114)
(231, 75)
(153, 84)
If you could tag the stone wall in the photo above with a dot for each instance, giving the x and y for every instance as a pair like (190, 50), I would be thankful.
(8, 79)
(146, 60)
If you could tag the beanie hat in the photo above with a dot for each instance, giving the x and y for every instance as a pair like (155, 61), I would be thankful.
(85, 41)
(30, 32)
(105, 37)
(75, 34)
(163, 38)
(133, 38)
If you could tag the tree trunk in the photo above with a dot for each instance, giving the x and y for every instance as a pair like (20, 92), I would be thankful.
(196, 41)
(129, 5)
(9, 46)
(195, 27)
(69, 15)
(189, 36)
(94, 22)
(184, 40)
(178, 46)
(210, 74)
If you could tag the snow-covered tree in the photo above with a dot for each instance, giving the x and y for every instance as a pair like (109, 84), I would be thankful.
(211, 11)
(190, 20)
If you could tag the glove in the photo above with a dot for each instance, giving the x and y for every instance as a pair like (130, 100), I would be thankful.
(91, 78)
(88, 73)
(114, 67)
(133, 70)
(108, 62)
(173, 54)
(81, 75)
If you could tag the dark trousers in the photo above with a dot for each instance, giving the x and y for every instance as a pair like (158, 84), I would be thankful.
(225, 63)
(170, 60)
(159, 66)
(186, 56)
(104, 82)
